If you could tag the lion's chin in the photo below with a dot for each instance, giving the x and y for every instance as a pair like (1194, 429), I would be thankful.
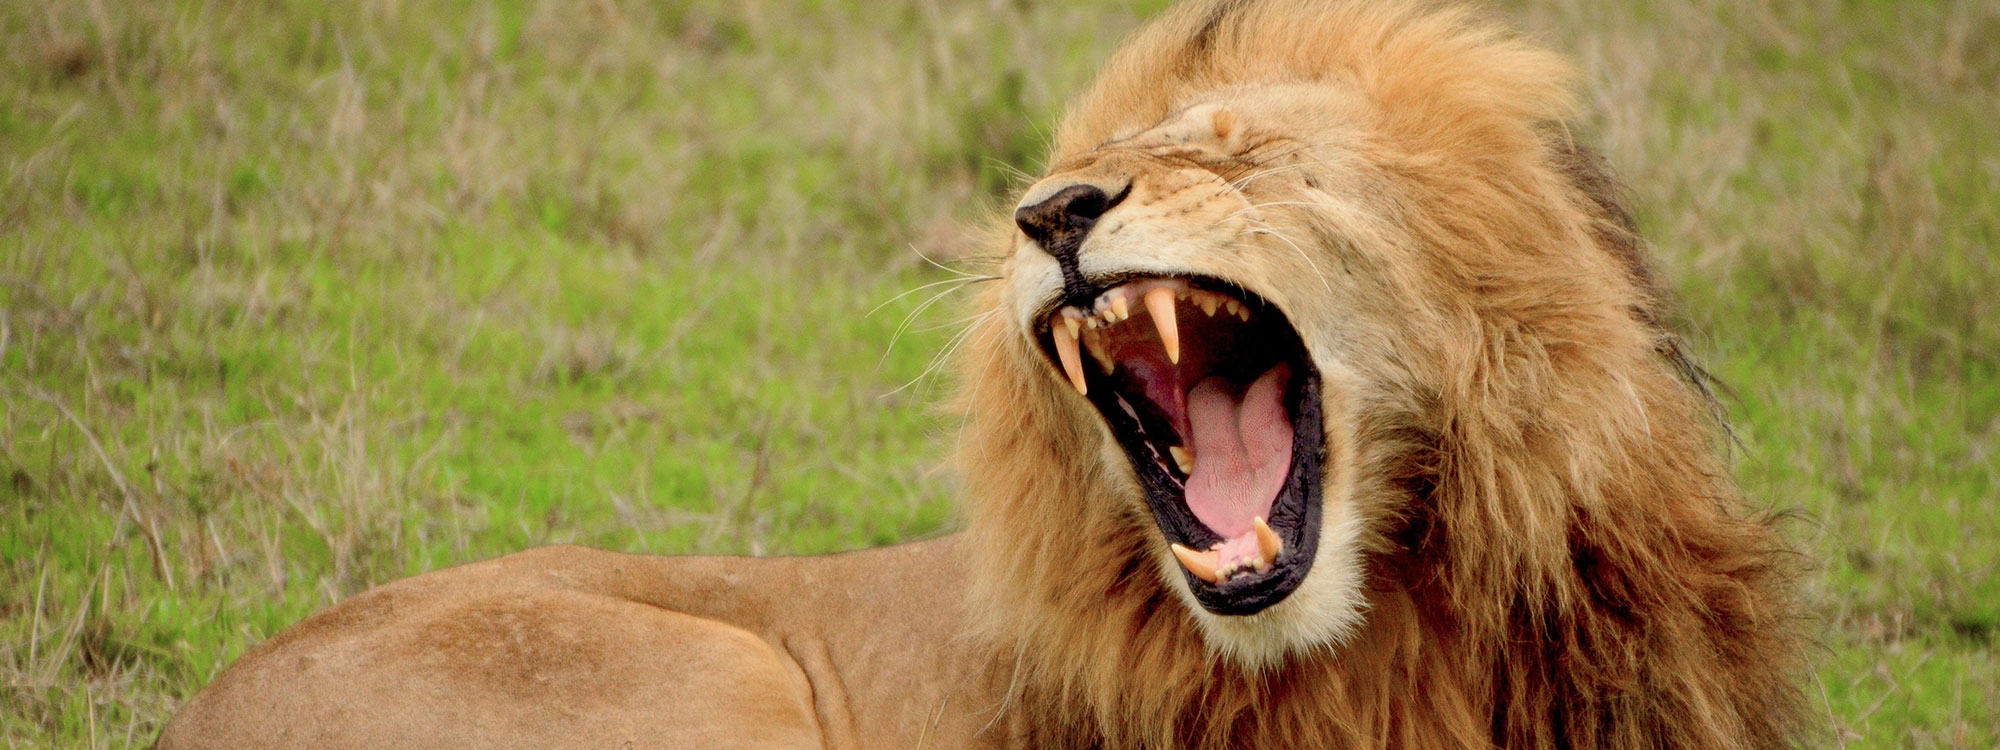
(1215, 404)
(1323, 612)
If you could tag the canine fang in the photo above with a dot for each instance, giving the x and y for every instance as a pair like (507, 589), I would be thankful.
(1072, 361)
(1201, 564)
(1094, 343)
(1160, 301)
(1268, 543)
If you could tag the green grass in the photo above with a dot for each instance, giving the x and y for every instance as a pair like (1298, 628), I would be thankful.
(296, 298)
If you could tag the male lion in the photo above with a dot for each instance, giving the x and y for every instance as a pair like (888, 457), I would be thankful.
(1325, 401)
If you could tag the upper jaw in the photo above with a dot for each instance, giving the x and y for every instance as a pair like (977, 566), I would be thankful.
(1208, 390)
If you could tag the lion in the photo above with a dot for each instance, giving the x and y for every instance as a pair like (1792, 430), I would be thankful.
(1325, 398)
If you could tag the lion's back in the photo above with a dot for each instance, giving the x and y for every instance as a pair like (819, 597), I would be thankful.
(429, 661)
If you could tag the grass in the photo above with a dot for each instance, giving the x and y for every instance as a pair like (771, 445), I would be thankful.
(296, 298)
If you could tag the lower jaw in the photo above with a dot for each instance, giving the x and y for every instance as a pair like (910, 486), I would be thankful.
(1296, 515)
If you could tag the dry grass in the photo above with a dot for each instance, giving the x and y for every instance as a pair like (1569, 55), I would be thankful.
(295, 299)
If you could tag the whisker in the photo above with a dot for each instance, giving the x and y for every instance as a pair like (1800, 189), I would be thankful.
(1245, 180)
(1011, 170)
(910, 318)
(947, 324)
(1255, 206)
(919, 288)
(940, 266)
(1301, 251)
(951, 347)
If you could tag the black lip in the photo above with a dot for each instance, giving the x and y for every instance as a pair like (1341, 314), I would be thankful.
(1295, 513)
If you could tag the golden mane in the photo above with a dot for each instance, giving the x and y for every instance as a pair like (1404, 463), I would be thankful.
(1554, 552)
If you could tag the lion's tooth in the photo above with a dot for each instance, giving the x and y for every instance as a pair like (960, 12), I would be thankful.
(1160, 302)
(1208, 302)
(1184, 458)
(1104, 312)
(1268, 543)
(1201, 564)
(1072, 362)
(1237, 309)
(1094, 343)
(1121, 308)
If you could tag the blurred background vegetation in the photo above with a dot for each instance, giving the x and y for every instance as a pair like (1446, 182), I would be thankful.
(297, 297)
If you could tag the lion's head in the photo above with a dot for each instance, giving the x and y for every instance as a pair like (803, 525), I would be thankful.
(1322, 352)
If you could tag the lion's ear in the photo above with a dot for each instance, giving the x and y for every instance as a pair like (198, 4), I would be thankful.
(1224, 123)
(1212, 125)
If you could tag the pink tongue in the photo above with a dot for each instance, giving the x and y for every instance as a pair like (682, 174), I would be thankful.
(1242, 449)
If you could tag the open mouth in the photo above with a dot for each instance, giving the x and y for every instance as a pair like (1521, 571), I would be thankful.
(1210, 393)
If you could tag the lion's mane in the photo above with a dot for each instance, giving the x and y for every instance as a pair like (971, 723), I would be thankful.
(1554, 552)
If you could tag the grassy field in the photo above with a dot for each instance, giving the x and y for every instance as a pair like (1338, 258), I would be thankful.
(296, 298)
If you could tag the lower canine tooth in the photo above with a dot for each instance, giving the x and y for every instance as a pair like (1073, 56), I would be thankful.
(1094, 343)
(1201, 564)
(1268, 543)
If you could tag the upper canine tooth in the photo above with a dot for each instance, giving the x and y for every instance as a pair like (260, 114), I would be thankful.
(1072, 362)
(1268, 543)
(1201, 564)
(1160, 302)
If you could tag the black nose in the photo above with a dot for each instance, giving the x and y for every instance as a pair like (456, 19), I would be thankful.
(1058, 225)
(1059, 222)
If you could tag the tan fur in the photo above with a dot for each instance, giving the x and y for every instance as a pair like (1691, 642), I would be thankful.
(1530, 539)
